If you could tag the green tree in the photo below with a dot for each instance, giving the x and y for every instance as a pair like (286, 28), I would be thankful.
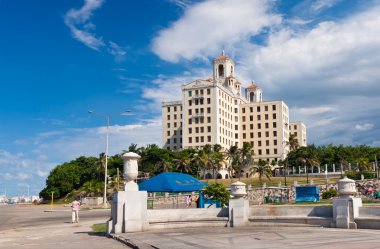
(263, 169)
(217, 192)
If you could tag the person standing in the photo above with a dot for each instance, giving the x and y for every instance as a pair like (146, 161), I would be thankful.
(75, 206)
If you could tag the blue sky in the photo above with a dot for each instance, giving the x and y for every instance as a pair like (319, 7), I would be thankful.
(58, 59)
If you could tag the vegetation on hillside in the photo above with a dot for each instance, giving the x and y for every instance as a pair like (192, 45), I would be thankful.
(85, 175)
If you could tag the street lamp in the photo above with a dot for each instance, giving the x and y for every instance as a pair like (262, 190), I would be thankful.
(107, 116)
(303, 160)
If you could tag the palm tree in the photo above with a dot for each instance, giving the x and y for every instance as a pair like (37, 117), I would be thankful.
(293, 142)
(231, 155)
(263, 169)
(100, 164)
(308, 156)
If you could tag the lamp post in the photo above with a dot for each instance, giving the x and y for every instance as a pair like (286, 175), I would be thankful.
(307, 171)
(107, 116)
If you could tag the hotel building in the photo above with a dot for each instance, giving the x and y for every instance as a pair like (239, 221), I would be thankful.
(214, 111)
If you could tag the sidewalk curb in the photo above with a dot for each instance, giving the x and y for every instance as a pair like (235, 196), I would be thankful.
(130, 243)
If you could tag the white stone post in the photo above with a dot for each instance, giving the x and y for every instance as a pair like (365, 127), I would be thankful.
(334, 167)
(238, 206)
(299, 169)
(294, 170)
(305, 169)
(346, 207)
(129, 207)
(326, 169)
(319, 170)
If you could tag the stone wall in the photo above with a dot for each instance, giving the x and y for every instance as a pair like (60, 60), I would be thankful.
(257, 195)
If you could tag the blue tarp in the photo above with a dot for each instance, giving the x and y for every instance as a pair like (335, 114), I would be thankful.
(307, 194)
(172, 182)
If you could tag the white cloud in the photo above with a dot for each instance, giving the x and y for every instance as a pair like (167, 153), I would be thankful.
(118, 52)
(183, 4)
(208, 26)
(319, 5)
(364, 127)
(78, 20)
(313, 110)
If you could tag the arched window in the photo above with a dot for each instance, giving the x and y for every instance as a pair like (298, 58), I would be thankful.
(221, 70)
(251, 96)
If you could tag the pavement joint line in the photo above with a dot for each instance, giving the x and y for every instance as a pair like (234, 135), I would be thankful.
(130, 243)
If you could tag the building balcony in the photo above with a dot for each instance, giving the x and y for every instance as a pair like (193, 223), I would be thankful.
(198, 115)
(198, 96)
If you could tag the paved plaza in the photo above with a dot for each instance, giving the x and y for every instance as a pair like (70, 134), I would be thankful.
(256, 237)
(31, 227)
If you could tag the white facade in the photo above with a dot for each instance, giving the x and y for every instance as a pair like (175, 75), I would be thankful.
(299, 129)
(214, 111)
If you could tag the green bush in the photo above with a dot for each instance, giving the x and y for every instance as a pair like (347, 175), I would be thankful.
(329, 193)
(217, 192)
(357, 175)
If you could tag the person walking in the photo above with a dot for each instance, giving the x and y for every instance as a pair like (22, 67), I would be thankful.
(188, 200)
(75, 206)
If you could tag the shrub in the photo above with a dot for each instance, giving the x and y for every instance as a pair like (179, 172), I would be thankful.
(357, 175)
(329, 193)
(217, 192)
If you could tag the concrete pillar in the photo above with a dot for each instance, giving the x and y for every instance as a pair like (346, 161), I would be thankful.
(326, 169)
(238, 206)
(334, 167)
(346, 207)
(304, 169)
(129, 209)
(319, 170)
(299, 169)
(294, 170)
(312, 169)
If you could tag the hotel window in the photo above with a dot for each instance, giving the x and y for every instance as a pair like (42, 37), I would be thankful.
(260, 152)
(251, 118)
(201, 101)
(259, 143)
(275, 142)
(267, 125)
(244, 135)
(208, 128)
(208, 91)
(243, 110)
(190, 112)
(168, 125)
(196, 92)
(243, 127)
(168, 108)
(258, 108)
(201, 91)
(259, 134)
(208, 109)
(273, 107)
(202, 129)
(275, 151)
(267, 151)
(251, 134)
(267, 142)
(190, 94)
(197, 139)
(190, 140)
(208, 101)
(236, 127)
(175, 108)
(189, 102)
(267, 134)
(266, 116)
(236, 110)
(251, 126)
(168, 117)
(258, 126)
(175, 140)
(196, 102)
(275, 133)
(175, 124)
(266, 108)
(168, 133)
(208, 119)
(274, 124)
(196, 129)
(251, 109)
(190, 121)
(175, 116)
(274, 116)
(168, 141)
(236, 136)
(175, 133)
(243, 119)
(258, 117)
(208, 138)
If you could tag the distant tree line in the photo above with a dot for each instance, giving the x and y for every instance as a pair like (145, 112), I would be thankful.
(87, 173)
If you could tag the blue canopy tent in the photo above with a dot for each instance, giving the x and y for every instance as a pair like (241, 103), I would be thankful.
(172, 182)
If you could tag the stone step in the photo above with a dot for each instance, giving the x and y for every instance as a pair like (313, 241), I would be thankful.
(212, 222)
(291, 221)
